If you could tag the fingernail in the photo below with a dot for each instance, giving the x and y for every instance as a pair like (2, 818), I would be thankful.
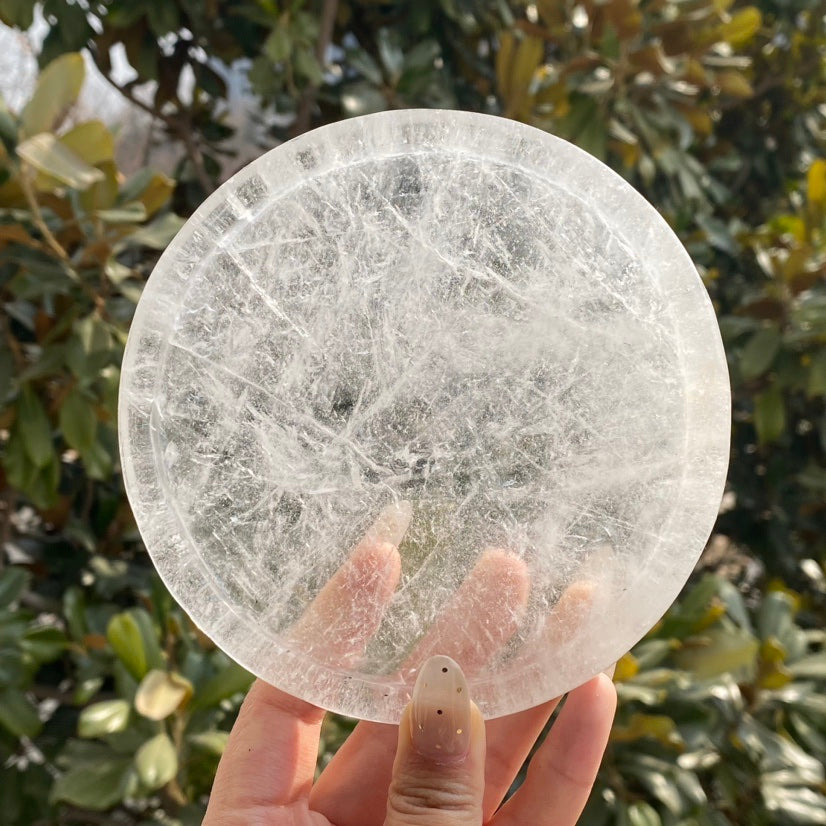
(609, 672)
(440, 718)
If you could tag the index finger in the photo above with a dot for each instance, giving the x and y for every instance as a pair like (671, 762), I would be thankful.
(271, 754)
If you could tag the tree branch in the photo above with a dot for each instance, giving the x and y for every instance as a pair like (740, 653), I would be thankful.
(37, 217)
(303, 118)
(182, 131)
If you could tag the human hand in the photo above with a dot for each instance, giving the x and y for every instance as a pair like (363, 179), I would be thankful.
(448, 769)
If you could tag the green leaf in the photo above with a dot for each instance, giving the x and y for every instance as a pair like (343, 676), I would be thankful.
(77, 420)
(419, 64)
(810, 668)
(156, 762)
(157, 234)
(57, 89)
(34, 428)
(658, 777)
(776, 616)
(719, 236)
(759, 352)
(17, 714)
(17, 13)
(213, 742)
(230, 681)
(769, 415)
(6, 372)
(13, 582)
(70, 33)
(307, 66)
(96, 785)
(277, 46)
(817, 375)
(642, 814)
(13, 671)
(363, 63)
(131, 213)
(390, 52)
(103, 718)
(124, 635)
(163, 18)
(361, 99)
(39, 484)
(797, 806)
(718, 651)
(97, 461)
(44, 643)
(160, 693)
(48, 155)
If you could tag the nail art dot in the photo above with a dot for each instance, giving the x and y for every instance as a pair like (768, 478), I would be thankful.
(459, 690)
(444, 670)
(458, 731)
(438, 711)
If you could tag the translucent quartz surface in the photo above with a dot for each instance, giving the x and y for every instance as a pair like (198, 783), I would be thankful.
(443, 332)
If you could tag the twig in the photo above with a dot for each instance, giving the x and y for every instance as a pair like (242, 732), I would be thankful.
(197, 158)
(9, 500)
(325, 35)
(37, 217)
(182, 131)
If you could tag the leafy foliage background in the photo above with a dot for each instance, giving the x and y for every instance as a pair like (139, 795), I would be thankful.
(113, 707)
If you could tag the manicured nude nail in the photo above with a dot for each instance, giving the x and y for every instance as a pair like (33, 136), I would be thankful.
(440, 718)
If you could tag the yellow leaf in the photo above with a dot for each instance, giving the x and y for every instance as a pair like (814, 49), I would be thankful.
(773, 651)
(516, 75)
(742, 26)
(733, 83)
(657, 726)
(699, 119)
(507, 44)
(715, 610)
(629, 152)
(626, 668)
(103, 193)
(695, 72)
(776, 678)
(160, 693)
(554, 99)
(157, 193)
(816, 183)
(57, 89)
(91, 141)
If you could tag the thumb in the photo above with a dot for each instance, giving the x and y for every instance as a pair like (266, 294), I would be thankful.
(439, 771)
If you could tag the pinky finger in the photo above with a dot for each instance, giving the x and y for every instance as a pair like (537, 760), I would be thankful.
(562, 772)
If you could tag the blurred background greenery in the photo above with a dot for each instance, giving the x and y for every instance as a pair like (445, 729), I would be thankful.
(113, 707)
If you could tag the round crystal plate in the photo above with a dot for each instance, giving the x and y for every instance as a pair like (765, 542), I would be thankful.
(425, 382)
